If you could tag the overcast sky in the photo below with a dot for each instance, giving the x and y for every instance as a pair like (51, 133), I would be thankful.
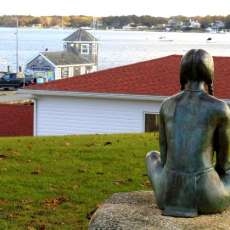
(115, 7)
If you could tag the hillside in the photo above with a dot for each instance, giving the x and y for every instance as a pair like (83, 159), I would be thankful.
(55, 182)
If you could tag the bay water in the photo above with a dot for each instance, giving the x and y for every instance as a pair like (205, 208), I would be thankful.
(116, 48)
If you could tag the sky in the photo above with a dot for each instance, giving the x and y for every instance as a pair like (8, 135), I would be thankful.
(163, 8)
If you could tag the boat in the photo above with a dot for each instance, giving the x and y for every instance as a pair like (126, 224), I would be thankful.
(210, 40)
(164, 39)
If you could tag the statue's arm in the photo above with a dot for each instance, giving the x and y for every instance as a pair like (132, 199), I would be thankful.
(221, 143)
(163, 141)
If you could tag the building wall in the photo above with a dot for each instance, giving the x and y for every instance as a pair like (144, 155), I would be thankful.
(80, 70)
(16, 120)
(71, 115)
(83, 70)
(57, 73)
(40, 67)
(74, 47)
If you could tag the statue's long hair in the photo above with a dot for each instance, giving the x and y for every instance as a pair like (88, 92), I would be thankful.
(197, 65)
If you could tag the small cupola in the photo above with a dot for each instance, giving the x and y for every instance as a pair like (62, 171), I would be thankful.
(82, 43)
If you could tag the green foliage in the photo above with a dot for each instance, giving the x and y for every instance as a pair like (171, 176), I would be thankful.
(110, 21)
(55, 182)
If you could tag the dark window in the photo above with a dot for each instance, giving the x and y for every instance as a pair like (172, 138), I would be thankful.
(151, 122)
(84, 48)
(88, 69)
(77, 71)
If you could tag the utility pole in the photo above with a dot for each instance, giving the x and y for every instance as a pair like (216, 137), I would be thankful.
(17, 44)
(95, 50)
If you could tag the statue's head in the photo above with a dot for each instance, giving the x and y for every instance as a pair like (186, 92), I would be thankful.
(197, 65)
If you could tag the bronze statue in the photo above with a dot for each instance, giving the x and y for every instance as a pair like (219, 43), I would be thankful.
(191, 174)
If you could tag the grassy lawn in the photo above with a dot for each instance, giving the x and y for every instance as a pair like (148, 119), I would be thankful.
(54, 182)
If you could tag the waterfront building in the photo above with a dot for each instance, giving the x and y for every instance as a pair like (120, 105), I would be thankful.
(79, 56)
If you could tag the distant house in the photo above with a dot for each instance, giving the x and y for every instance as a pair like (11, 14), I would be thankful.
(218, 25)
(80, 56)
(191, 25)
(174, 24)
(130, 26)
(194, 24)
(125, 99)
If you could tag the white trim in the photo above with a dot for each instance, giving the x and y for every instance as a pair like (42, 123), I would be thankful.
(146, 112)
(35, 118)
(31, 59)
(84, 64)
(97, 95)
(81, 41)
(85, 47)
(93, 95)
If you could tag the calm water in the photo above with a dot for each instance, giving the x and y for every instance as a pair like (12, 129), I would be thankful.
(115, 48)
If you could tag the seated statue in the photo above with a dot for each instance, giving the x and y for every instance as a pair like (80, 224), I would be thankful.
(191, 174)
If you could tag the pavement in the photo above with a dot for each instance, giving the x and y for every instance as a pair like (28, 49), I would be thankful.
(11, 96)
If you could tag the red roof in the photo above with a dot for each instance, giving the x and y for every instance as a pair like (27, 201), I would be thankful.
(16, 120)
(158, 77)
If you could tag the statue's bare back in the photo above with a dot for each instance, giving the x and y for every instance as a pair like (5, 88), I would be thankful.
(194, 130)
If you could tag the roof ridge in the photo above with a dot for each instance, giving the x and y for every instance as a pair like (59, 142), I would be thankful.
(159, 76)
(95, 74)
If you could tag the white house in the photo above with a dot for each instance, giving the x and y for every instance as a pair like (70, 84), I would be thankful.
(125, 99)
(194, 24)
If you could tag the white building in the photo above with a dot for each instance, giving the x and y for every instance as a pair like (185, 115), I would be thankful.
(194, 24)
(80, 56)
(120, 100)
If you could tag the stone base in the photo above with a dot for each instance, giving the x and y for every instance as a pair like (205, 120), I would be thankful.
(138, 210)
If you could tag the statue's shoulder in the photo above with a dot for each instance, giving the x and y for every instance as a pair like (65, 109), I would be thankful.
(169, 104)
(218, 105)
(172, 99)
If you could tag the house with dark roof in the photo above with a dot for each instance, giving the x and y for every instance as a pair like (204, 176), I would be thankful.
(124, 99)
(79, 56)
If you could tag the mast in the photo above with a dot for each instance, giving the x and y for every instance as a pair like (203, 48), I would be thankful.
(94, 40)
(62, 22)
(17, 44)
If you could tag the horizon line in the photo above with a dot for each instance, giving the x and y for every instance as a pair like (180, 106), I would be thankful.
(122, 15)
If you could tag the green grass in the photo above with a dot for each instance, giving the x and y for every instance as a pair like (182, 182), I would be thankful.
(53, 182)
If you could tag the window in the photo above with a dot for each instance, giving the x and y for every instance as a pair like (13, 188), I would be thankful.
(84, 48)
(64, 72)
(6, 77)
(151, 122)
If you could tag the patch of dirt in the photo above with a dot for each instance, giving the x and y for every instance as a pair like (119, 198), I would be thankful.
(107, 143)
(54, 202)
(2, 156)
(3, 202)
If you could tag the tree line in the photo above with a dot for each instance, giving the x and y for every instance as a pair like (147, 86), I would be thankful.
(103, 22)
